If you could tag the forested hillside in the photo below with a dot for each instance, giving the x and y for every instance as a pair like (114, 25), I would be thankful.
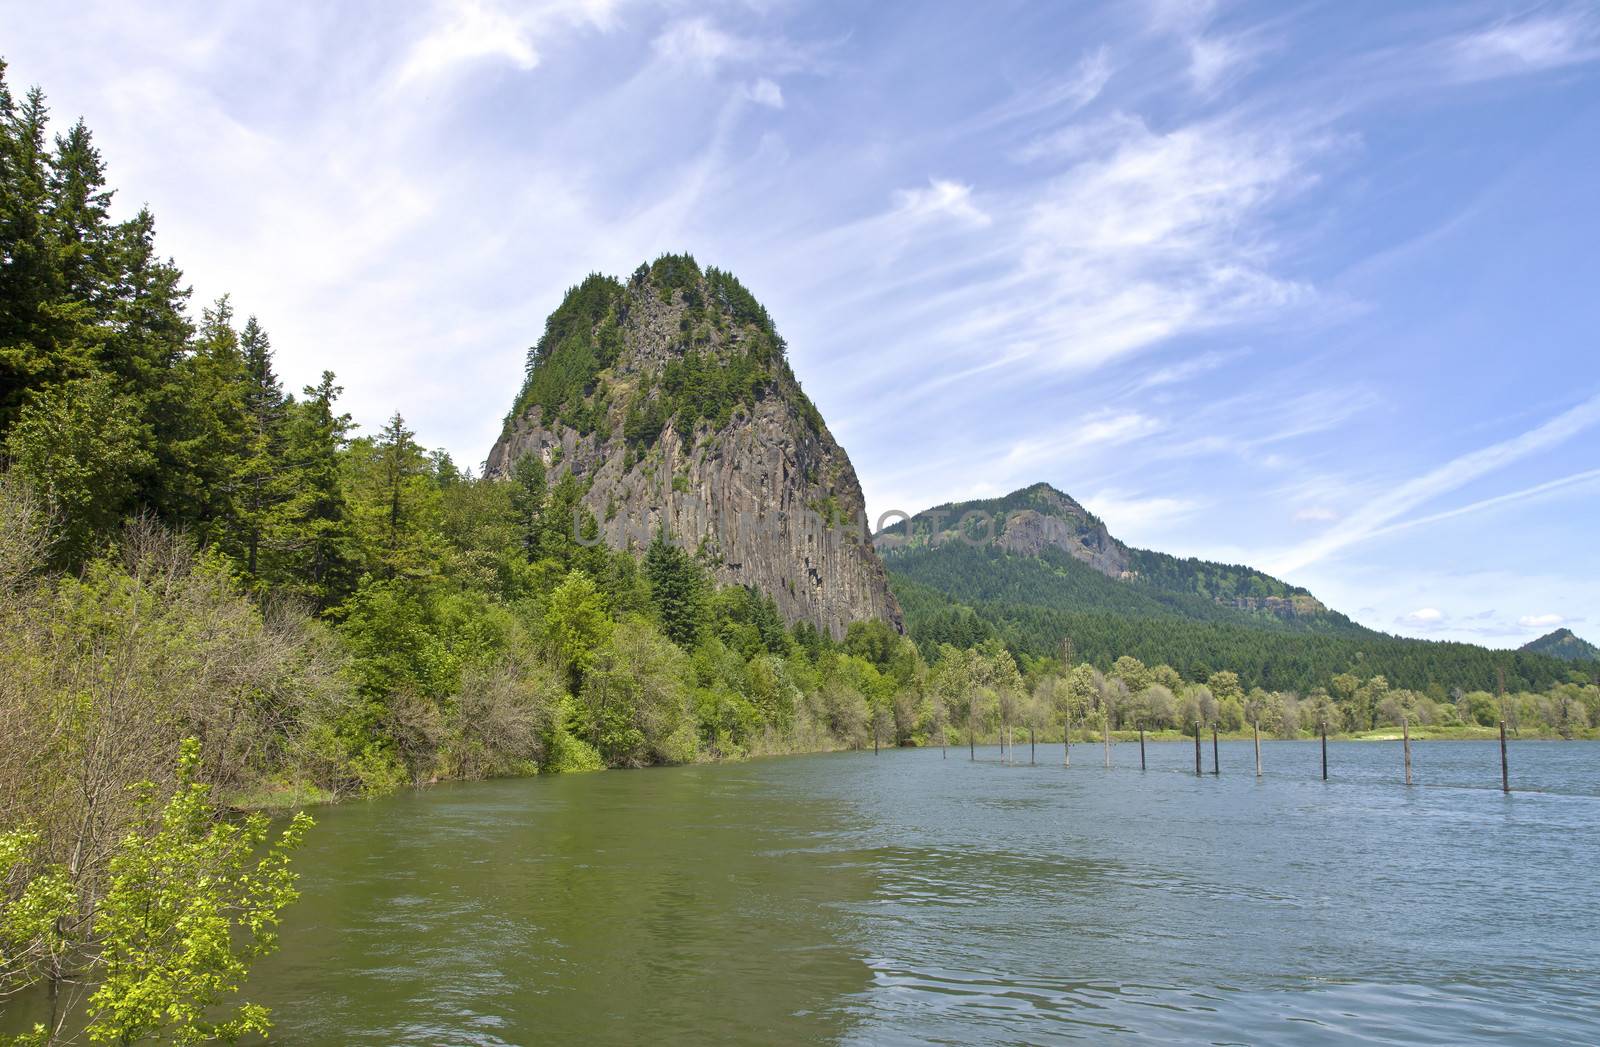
(1079, 585)
(1564, 644)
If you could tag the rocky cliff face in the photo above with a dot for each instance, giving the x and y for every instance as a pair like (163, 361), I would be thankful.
(669, 395)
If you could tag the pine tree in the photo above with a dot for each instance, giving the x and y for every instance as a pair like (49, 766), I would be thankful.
(262, 480)
(79, 219)
(678, 590)
(527, 500)
(212, 445)
(30, 281)
(396, 505)
(312, 542)
(150, 334)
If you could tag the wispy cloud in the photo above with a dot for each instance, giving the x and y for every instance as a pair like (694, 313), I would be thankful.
(1540, 621)
(465, 31)
(1055, 99)
(1184, 370)
(1372, 517)
(1130, 515)
(765, 92)
(1531, 44)
(940, 198)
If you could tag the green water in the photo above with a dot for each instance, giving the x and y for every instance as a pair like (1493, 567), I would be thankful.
(906, 898)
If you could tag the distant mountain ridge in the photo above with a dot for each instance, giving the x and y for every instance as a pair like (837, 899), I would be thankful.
(1040, 572)
(1563, 644)
(1040, 544)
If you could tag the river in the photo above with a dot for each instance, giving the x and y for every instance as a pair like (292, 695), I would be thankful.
(907, 897)
(911, 898)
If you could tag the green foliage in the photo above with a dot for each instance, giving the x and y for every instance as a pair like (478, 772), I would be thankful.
(80, 447)
(581, 339)
(190, 902)
(960, 594)
(701, 387)
(677, 591)
(190, 906)
(36, 901)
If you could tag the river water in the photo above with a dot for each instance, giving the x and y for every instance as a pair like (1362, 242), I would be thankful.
(912, 898)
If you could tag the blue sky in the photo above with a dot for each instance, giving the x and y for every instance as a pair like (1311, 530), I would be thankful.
(1309, 286)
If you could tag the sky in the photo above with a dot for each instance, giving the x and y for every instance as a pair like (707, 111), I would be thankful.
(1309, 286)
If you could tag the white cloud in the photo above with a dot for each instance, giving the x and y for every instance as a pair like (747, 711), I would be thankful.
(1107, 428)
(466, 31)
(702, 44)
(1215, 61)
(765, 92)
(1425, 616)
(1159, 234)
(1180, 16)
(1054, 99)
(1527, 45)
(1540, 621)
(1088, 79)
(1128, 514)
(1315, 514)
(470, 32)
(940, 199)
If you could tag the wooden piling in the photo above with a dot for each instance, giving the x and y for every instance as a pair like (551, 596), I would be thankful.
(1257, 726)
(1505, 768)
(1066, 745)
(1405, 739)
(1141, 746)
(1032, 752)
(1216, 764)
(1105, 736)
(1197, 770)
(1324, 750)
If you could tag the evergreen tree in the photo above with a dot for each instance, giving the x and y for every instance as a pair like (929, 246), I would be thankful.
(527, 500)
(30, 280)
(263, 483)
(312, 541)
(211, 447)
(677, 588)
(396, 505)
(79, 220)
(80, 448)
(150, 334)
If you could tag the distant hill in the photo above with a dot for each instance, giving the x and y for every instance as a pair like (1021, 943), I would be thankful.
(1040, 547)
(1564, 644)
(1037, 569)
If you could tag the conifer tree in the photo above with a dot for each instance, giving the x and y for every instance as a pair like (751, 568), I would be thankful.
(396, 505)
(527, 500)
(30, 280)
(677, 588)
(312, 543)
(79, 221)
(212, 447)
(263, 483)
